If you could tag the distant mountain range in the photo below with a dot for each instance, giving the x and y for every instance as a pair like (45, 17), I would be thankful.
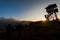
(5, 21)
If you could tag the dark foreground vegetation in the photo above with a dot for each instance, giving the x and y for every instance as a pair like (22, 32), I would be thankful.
(34, 31)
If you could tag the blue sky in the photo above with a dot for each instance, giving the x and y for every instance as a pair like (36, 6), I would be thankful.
(33, 10)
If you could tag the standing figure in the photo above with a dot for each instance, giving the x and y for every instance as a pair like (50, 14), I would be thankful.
(18, 28)
(8, 31)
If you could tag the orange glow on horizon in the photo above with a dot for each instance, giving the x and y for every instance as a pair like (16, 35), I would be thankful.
(34, 20)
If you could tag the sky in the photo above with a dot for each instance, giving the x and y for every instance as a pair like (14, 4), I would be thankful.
(26, 10)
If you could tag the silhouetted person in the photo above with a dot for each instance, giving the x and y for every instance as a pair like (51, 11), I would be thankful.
(19, 31)
(8, 31)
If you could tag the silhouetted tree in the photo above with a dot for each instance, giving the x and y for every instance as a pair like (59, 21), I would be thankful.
(51, 9)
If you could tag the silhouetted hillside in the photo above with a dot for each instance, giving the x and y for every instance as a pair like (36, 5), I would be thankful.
(27, 30)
